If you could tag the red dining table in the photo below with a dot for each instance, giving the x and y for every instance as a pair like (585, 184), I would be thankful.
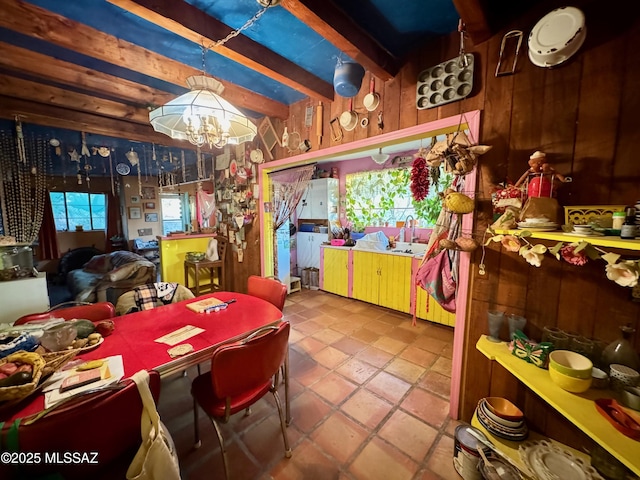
(135, 334)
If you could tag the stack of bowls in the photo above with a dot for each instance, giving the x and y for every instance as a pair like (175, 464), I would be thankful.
(570, 370)
(502, 418)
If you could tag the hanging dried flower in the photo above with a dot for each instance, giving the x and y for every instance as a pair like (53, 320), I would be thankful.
(419, 179)
(511, 243)
(623, 273)
(533, 255)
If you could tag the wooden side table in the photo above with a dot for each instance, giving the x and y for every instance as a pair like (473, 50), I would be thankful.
(209, 265)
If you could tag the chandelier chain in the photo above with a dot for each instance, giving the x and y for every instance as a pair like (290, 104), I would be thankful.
(237, 31)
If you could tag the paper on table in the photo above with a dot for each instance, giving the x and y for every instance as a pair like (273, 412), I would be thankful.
(52, 386)
(180, 335)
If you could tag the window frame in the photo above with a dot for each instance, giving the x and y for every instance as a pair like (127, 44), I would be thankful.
(91, 208)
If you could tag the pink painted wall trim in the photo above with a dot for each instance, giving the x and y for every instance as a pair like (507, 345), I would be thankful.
(472, 119)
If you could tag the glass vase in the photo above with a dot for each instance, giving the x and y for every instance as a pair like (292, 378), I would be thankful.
(621, 350)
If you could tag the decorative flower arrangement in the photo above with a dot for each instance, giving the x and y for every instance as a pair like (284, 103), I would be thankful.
(511, 243)
(533, 254)
(625, 273)
(572, 255)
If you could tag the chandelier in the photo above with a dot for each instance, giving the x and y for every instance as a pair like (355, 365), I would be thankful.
(203, 116)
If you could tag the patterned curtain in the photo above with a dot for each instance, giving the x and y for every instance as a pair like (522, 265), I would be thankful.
(287, 187)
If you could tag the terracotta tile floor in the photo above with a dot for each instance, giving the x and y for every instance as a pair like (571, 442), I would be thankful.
(369, 400)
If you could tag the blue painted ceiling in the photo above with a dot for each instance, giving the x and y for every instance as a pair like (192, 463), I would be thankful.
(287, 55)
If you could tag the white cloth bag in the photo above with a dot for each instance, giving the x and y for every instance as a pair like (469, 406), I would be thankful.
(156, 458)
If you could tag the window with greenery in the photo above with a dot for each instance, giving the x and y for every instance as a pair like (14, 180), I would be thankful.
(73, 209)
(380, 197)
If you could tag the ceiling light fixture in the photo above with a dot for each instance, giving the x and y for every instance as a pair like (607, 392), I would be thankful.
(380, 157)
(202, 115)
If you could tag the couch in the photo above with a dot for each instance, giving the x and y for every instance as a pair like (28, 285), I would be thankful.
(105, 277)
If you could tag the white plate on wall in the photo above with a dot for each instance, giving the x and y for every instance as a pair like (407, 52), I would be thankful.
(557, 37)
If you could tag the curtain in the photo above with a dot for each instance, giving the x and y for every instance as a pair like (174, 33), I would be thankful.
(48, 236)
(113, 221)
(287, 189)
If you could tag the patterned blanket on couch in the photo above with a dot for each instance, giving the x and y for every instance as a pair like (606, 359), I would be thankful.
(106, 277)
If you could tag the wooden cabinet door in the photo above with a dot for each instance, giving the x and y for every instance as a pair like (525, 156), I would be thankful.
(335, 271)
(366, 276)
(395, 282)
(428, 309)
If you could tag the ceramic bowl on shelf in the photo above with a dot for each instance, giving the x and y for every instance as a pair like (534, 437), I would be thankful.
(622, 376)
(571, 364)
(568, 383)
(630, 397)
(599, 378)
(503, 408)
(482, 404)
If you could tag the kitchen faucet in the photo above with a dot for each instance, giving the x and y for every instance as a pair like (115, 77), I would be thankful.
(411, 226)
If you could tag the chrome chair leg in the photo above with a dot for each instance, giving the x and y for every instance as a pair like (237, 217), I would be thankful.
(196, 427)
(223, 449)
(283, 427)
(287, 403)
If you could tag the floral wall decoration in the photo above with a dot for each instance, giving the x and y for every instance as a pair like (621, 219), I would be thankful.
(624, 272)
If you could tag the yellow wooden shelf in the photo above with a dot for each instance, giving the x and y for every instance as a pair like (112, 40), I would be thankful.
(579, 409)
(600, 241)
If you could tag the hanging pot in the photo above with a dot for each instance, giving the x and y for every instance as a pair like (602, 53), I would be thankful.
(371, 100)
(349, 119)
(347, 78)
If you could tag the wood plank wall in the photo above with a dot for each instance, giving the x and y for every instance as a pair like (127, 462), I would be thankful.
(582, 114)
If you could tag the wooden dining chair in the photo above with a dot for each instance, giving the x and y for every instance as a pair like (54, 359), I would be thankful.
(88, 311)
(241, 374)
(106, 422)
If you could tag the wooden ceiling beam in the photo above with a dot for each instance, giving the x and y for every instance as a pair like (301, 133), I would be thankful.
(326, 19)
(473, 15)
(58, 117)
(52, 70)
(195, 25)
(51, 95)
(45, 25)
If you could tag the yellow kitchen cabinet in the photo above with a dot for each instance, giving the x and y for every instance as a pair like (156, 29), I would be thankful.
(335, 271)
(382, 279)
(432, 311)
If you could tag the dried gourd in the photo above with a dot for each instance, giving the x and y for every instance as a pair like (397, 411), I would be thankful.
(466, 244)
(458, 203)
(448, 244)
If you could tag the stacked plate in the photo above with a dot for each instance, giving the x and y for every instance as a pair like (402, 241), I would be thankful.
(514, 430)
(549, 462)
(538, 225)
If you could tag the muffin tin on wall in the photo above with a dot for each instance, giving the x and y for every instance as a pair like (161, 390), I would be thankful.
(445, 83)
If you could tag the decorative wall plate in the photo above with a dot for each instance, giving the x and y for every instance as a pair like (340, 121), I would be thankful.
(123, 169)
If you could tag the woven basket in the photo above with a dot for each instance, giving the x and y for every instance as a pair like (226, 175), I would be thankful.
(21, 391)
(56, 360)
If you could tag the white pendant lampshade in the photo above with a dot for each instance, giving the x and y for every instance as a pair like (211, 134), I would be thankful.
(380, 157)
(202, 116)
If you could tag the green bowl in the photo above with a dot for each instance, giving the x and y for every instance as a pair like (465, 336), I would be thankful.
(571, 364)
(195, 256)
